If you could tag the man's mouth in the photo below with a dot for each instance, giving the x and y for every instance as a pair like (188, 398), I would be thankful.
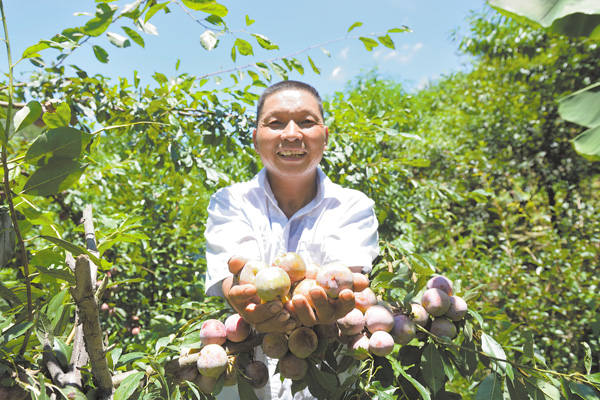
(291, 153)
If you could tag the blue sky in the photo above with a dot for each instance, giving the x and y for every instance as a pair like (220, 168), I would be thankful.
(426, 53)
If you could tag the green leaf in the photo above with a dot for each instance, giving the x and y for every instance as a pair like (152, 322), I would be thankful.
(27, 115)
(313, 66)
(154, 9)
(128, 386)
(421, 389)
(118, 40)
(368, 42)
(100, 23)
(249, 21)
(244, 389)
(582, 107)
(280, 71)
(134, 36)
(15, 331)
(594, 378)
(100, 54)
(59, 274)
(209, 40)
(386, 41)
(400, 30)
(265, 42)
(59, 117)
(32, 51)
(60, 143)
(587, 144)
(54, 177)
(490, 388)
(528, 346)
(207, 6)
(9, 296)
(354, 25)
(324, 379)
(564, 17)
(243, 47)
(432, 367)
(264, 70)
(75, 250)
(492, 348)
(586, 392)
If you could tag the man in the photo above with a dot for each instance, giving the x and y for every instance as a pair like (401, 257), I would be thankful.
(289, 206)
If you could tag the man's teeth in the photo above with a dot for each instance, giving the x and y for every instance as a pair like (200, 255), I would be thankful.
(291, 153)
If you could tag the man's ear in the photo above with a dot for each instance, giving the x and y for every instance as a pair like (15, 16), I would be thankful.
(326, 137)
(254, 140)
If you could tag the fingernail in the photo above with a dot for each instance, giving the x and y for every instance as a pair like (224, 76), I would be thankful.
(275, 307)
(290, 325)
(284, 316)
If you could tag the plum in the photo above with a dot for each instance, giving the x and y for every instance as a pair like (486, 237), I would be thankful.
(237, 328)
(293, 264)
(272, 283)
(356, 343)
(365, 299)
(213, 331)
(404, 329)
(379, 318)
(312, 269)
(292, 367)
(206, 384)
(457, 310)
(303, 342)
(275, 344)
(334, 278)
(328, 332)
(419, 314)
(303, 287)
(443, 327)
(381, 343)
(212, 360)
(257, 374)
(251, 268)
(440, 282)
(352, 323)
(436, 302)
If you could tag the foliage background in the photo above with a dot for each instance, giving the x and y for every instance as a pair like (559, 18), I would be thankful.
(475, 173)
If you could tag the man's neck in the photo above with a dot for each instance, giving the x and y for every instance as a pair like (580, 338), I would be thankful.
(293, 194)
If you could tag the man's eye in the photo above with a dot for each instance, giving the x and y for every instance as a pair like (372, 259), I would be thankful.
(307, 123)
(275, 123)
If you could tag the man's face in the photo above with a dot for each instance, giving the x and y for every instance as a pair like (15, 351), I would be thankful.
(290, 135)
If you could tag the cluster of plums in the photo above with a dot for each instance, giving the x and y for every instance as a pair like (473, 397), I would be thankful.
(372, 327)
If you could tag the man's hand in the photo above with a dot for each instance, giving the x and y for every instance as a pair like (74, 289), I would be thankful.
(267, 317)
(325, 310)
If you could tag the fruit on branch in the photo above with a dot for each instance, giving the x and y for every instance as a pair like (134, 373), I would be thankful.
(443, 327)
(381, 343)
(212, 360)
(213, 331)
(272, 283)
(293, 264)
(275, 344)
(334, 278)
(365, 299)
(352, 323)
(237, 329)
(303, 342)
(206, 384)
(328, 332)
(292, 367)
(257, 374)
(457, 310)
(436, 302)
(379, 318)
(419, 314)
(440, 282)
(404, 329)
(358, 346)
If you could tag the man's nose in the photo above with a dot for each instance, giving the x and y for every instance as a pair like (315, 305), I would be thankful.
(292, 131)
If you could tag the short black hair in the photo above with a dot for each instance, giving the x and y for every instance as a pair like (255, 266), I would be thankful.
(287, 85)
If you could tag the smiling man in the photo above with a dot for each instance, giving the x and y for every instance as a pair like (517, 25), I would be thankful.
(290, 205)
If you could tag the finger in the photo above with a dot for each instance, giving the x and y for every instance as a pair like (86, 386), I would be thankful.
(278, 323)
(236, 263)
(361, 282)
(303, 310)
(259, 313)
(345, 303)
(324, 309)
(239, 294)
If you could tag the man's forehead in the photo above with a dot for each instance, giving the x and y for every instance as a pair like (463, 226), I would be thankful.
(291, 101)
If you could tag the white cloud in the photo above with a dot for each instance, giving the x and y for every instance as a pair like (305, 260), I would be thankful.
(404, 55)
(344, 53)
(425, 80)
(336, 73)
